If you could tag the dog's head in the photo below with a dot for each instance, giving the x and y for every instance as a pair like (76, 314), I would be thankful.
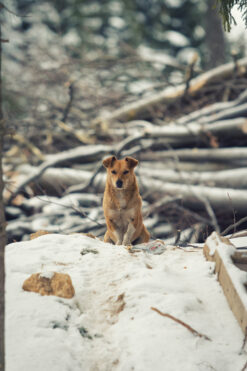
(120, 172)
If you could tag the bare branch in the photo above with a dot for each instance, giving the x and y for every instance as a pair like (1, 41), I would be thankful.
(234, 225)
(193, 331)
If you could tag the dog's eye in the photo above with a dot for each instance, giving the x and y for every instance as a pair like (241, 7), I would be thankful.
(114, 172)
(126, 172)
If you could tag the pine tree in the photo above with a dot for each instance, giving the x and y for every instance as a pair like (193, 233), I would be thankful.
(225, 9)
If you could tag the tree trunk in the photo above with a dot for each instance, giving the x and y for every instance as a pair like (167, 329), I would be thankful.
(2, 229)
(214, 36)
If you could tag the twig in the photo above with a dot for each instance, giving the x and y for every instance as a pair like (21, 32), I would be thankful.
(159, 205)
(126, 143)
(234, 225)
(194, 332)
(193, 214)
(210, 212)
(244, 342)
(234, 213)
(83, 138)
(244, 367)
(177, 237)
(35, 150)
(69, 104)
(78, 210)
(2, 6)
(190, 73)
(84, 187)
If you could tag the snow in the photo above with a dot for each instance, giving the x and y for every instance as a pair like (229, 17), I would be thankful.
(174, 3)
(238, 31)
(186, 55)
(71, 38)
(214, 242)
(117, 22)
(226, 251)
(47, 274)
(157, 57)
(109, 324)
(176, 39)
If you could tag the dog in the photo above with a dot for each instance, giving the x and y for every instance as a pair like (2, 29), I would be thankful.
(122, 203)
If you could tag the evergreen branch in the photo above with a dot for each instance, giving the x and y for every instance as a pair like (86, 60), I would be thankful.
(225, 10)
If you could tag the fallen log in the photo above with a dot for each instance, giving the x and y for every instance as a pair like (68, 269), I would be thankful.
(235, 126)
(234, 178)
(59, 180)
(226, 114)
(192, 196)
(82, 153)
(179, 135)
(171, 94)
(197, 155)
(212, 109)
(150, 160)
(173, 135)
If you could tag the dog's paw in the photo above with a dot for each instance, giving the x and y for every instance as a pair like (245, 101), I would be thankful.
(119, 242)
(126, 242)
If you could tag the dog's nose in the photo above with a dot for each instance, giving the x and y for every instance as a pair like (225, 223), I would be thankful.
(119, 183)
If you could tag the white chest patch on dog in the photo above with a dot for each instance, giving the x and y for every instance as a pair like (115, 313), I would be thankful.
(122, 218)
(121, 201)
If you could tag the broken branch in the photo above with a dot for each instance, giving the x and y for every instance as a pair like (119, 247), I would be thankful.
(194, 332)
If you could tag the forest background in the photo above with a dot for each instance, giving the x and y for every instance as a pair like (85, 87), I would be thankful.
(69, 67)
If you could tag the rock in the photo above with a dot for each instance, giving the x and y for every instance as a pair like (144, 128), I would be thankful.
(38, 234)
(50, 283)
(88, 235)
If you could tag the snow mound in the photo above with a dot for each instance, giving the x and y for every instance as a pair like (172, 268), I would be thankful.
(109, 324)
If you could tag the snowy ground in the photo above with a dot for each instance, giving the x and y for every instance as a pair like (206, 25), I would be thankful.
(109, 324)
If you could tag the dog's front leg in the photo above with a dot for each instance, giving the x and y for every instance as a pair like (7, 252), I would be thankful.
(113, 231)
(118, 234)
(119, 237)
(127, 239)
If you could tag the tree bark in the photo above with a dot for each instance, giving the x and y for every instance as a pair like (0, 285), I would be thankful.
(2, 231)
(214, 36)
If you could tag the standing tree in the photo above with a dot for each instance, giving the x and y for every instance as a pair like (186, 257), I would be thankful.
(2, 223)
(214, 37)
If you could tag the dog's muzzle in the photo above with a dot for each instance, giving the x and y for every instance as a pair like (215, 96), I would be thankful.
(119, 183)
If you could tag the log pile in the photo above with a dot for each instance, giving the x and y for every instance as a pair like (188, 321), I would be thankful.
(191, 141)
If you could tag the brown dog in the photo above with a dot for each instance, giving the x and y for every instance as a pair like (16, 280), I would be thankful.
(122, 203)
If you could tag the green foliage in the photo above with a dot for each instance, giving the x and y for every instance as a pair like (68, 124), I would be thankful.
(225, 9)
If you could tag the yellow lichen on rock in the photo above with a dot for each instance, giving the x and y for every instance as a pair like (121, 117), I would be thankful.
(58, 284)
(38, 234)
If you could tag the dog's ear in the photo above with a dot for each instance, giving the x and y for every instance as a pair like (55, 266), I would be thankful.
(109, 161)
(132, 162)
